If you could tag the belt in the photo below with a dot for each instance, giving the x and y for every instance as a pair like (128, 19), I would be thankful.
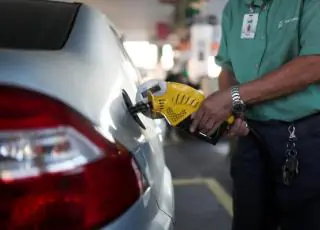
(303, 125)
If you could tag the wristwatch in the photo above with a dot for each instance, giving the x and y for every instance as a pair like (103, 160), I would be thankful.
(238, 106)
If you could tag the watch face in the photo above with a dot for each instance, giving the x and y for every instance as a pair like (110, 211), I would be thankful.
(238, 107)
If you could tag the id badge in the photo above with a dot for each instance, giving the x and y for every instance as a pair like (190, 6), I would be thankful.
(249, 26)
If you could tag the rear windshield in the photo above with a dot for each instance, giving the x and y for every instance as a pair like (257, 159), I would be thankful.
(36, 24)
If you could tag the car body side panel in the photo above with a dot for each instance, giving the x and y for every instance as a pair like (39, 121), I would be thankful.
(89, 74)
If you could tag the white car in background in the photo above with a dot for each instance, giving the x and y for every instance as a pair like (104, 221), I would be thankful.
(71, 156)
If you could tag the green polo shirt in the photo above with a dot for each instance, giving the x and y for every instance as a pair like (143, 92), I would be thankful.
(285, 30)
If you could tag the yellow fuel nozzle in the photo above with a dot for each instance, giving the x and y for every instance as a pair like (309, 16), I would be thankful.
(231, 120)
(176, 103)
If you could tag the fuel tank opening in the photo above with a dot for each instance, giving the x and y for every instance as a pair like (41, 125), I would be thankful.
(133, 109)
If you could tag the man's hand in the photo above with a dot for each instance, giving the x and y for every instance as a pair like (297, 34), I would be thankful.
(214, 110)
(239, 128)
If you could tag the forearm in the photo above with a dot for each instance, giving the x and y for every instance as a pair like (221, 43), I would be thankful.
(292, 77)
(226, 79)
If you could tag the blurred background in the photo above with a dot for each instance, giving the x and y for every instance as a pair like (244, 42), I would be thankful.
(161, 36)
(177, 40)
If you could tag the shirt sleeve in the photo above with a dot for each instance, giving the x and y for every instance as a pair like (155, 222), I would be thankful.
(309, 28)
(223, 58)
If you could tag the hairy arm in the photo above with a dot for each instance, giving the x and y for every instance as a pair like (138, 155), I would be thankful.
(292, 77)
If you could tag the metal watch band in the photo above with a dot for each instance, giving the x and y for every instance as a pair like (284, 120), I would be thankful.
(235, 94)
(238, 106)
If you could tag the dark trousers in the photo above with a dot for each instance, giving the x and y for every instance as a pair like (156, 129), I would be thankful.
(261, 200)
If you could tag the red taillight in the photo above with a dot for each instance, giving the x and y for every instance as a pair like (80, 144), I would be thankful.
(56, 170)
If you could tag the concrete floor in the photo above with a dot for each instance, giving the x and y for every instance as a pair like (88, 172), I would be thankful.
(202, 184)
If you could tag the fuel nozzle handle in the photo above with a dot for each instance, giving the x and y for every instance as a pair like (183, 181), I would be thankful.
(214, 138)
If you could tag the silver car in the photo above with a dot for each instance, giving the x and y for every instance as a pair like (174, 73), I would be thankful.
(71, 156)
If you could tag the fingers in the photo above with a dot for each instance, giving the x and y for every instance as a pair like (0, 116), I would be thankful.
(202, 121)
(209, 125)
(239, 128)
(214, 128)
(235, 127)
(196, 119)
(206, 122)
(245, 129)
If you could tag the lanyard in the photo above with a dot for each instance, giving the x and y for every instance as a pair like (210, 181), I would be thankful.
(252, 6)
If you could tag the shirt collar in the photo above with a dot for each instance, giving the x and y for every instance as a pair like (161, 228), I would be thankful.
(255, 2)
